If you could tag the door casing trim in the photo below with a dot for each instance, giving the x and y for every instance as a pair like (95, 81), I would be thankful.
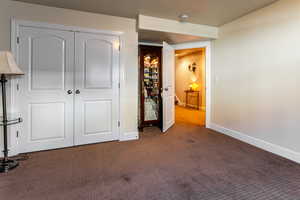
(207, 46)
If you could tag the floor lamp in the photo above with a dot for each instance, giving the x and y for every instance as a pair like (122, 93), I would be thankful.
(8, 67)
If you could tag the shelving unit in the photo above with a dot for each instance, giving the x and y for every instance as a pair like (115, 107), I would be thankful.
(150, 84)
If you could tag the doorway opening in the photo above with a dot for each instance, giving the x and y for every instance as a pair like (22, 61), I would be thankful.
(150, 86)
(190, 84)
(184, 91)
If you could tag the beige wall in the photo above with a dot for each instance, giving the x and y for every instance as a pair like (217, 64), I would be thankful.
(256, 75)
(184, 77)
(255, 67)
(24, 11)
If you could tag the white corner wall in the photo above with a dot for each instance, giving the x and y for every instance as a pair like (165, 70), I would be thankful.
(129, 77)
(256, 79)
(173, 26)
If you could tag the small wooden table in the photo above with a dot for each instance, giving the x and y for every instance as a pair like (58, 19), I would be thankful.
(188, 94)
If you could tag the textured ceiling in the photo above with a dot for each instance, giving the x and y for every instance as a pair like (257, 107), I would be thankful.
(208, 12)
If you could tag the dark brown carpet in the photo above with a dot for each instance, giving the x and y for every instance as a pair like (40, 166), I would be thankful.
(187, 163)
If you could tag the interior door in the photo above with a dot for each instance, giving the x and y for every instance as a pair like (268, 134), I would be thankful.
(168, 93)
(97, 88)
(44, 95)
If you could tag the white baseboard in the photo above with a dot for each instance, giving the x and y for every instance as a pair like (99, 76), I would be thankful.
(273, 148)
(129, 136)
(10, 153)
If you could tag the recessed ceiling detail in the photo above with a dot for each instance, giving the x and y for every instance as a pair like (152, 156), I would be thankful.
(171, 38)
(207, 12)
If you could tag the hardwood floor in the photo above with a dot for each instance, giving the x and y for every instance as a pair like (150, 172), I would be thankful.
(190, 116)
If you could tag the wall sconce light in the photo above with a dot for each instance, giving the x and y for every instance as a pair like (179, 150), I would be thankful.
(193, 67)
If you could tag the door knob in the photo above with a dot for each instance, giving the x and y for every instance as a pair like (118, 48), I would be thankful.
(69, 92)
(77, 91)
(166, 89)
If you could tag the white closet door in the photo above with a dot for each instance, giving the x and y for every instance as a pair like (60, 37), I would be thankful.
(168, 93)
(47, 58)
(96, 83)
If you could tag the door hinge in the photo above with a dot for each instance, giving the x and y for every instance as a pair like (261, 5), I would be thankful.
(17, 134)
(18, 40)
(119, 124)
(18, 87)
(119, 47)
(119, 85)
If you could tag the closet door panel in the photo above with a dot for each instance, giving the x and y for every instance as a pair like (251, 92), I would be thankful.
(48, 65)
(47, 58)
(98, 64)
(97, 97)
(91, 112)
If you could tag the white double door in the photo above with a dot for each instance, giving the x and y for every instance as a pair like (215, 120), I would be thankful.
(69, 94)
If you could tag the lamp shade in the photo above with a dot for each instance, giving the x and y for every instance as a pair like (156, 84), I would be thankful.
(8, 65)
